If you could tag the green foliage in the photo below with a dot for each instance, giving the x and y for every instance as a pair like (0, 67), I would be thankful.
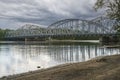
(2, 33)
(112, 8)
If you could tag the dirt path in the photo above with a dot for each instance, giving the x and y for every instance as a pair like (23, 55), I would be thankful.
(105, 68)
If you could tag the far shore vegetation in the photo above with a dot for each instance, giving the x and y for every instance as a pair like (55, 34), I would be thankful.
(2, 33)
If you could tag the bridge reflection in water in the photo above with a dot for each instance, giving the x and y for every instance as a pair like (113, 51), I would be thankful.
(22, 58)
(66, 53)
(78, 53)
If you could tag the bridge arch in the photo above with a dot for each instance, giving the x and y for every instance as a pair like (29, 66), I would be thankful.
(85, 26)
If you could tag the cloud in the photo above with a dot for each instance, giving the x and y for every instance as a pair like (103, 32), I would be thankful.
(44, 12)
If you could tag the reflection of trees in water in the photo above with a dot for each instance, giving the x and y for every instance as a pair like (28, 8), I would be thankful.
(65, 53)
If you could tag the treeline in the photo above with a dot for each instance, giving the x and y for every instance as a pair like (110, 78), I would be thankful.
(2, 33)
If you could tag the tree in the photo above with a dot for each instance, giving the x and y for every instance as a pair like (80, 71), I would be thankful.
(112, 8)
(2, 33)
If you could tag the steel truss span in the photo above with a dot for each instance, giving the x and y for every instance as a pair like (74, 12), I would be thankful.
(99, 25)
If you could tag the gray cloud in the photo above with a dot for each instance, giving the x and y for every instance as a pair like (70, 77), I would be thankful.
(43, 12)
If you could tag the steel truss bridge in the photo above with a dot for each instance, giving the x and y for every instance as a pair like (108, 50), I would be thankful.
(69, 27)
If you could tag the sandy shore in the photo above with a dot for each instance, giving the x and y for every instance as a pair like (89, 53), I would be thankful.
(104, 68)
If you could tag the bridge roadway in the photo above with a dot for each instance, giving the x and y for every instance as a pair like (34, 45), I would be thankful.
(58, 36)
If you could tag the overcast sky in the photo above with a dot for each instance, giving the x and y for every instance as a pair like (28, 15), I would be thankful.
(15, 13)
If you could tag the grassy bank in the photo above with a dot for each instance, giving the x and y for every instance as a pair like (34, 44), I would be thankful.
(104, 68)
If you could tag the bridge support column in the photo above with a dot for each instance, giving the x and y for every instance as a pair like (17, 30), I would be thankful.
(26, 39)
(49, 38)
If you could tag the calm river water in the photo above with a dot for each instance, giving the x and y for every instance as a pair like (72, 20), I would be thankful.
(19, 57)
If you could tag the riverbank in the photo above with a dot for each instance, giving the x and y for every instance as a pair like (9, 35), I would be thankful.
(102, 68)
(93, 41)
(60, 42)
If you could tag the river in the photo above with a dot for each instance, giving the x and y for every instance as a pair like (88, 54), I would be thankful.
(20, 57)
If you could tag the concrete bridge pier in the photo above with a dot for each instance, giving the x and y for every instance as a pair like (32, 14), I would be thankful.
(26, 39)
